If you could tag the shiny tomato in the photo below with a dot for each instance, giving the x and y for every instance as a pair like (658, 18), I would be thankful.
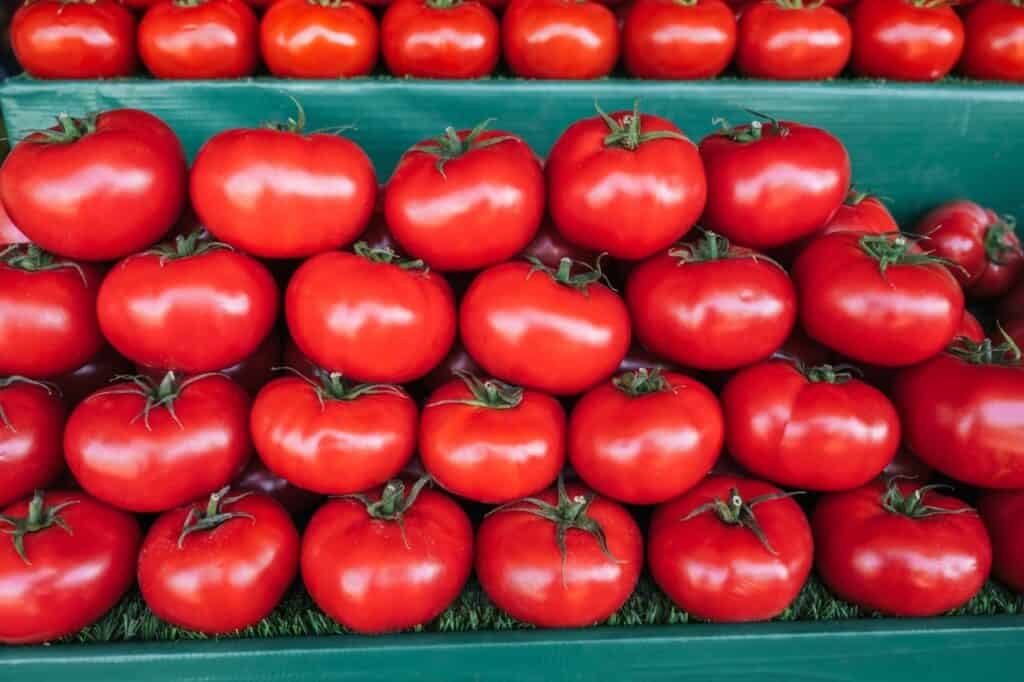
(562, 39)
(906, 40)
(994, 41)
(319, 39)
(861, 212)
(790, 40)
(672, 40)
(257, 478)
(625, 163)
(564, 558)
(970, 328)
(440, 39)
(66, 560)
(1001, 512)
(96, 188)
(191, 39)
(549, 246)
(9, 232)
(219, 566)
(900, 548)
(31, 425)
(96, 373)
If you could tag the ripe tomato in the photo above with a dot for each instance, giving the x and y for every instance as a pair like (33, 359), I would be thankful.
(790, 40)
(900, 548)
(731, 550)
(672, 40)
(971, 328)
(257, 478)
(96, 373)
(9, 233)
(456, 361)
(66, 559)
(907, 40)
(1011, 306)
(562, 39)
(772, 183)
(319, 39)
(387, 561)
(861, 212)
(549, 246)
(577, 575)
(96, 188)
(994, 41)
(199, 39)
(74, 39)
(256, 370)
(551, 330)
(148, 447)
(1001, 512)
(877, 298)
(31, 425)
(220, 566)
(440, 39)
(465, 200)
(710, 305)
(626, 163)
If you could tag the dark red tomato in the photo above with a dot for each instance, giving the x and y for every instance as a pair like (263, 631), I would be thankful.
(711, 305)
(994, 41)
(465, 200)
(550, 247)
(1011, 306)
(257, 478)
(771, 183)
(672, 40)
(440, 39)
(191, 39)
(639, 358)
(907, 465)
(148, 447)
(491, 442)
(861, 212)
(1002, 513)
(387, 561)
(296, 360)
(906, 40)
(319, 39)
(457, 360)
(31, 425)
(877, 298)
(731, 550)
(219, 566)
(801, 347)
(1014, 329)
(815, 428)
(252, 373)
(900, 548)
(96, 188)
(9, 232)
(96, 373)
(74, 39)
(66, 560)
(47, 313)
(789, 40)
(561, 39)
(370, 316)
(625, 163)
(559, 331)
(645, 436)
(971, 328)
(564, 558)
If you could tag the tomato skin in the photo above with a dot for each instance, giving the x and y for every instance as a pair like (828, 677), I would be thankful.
(994, 41)
(664, 39)
(549, 246)
(90, 377)
(561, 39)
(257, 478)
(31, 425)
(782, 43)
(900, 566)
(861, 213)
(302, 39)
(423, 40)
(903, 41)
(1001, 512)
(223, 579)
(1011, 306)
(9, 232)
(74, 578)
(970, 328)
(214, 39)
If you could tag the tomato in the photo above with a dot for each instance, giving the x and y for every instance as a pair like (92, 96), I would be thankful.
(465, 200)
(440, 39)
(560, 331)
(861, 212)
(257, 478)
(74, 39)
(31, 425)
(1001, 512)
(66, 560)
(319, 39)
(626, 163)
(255, 371)
(148, 447)
(220, 566)
(9, 232)
(994, 41)
(790, 40)
(907, 40)
(387, 560)
(561, 39)
(96, 188)
(193, 39)
(671, 40)
(877, 298)
(1011, 306)
(711, 305)
(96, 373)
(900, 548)
(564, 558)
(731, 550)
(549, 246)
(47, 313)
(971, 328)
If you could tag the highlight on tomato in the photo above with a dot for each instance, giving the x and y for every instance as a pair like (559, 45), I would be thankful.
(906, 40)
(453, 39)
(31, 425)
(319, 39)
(192, 39)
(560, 39)
(792, 40)
(678, 39)
(994, 41)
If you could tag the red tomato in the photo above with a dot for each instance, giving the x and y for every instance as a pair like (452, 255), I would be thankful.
(74, 39)
(9, 233)
(774, 182)
(257, 478)
(192, 39)
(789, 40)
(565, 558)
(139, 4)
(319, 39)
(877, 298)
(800, 347)
(387, 561)
(65, 561)
(31, 425)
(457, 360)
(148, 447)
(440, 39)
(1011, 306)
(900, 548)
(96, 373)
(861, 212)
(96, 188)
(711, 305)
(626, 163)
(672, 40)
(220, 566)
(255, 371)
(907, 40)
(551, 330)
(731, 550)
(47, 313)
(561, 39)
(1014, 329)
(465, 200)
(645, 436)
(971, 328)
(549, 246)
(994, 41)
(1002, 512)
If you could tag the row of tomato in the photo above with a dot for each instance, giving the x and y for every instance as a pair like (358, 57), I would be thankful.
(914, 40)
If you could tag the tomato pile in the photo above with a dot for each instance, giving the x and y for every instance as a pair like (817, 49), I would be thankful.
(910, 40)
(489, 364)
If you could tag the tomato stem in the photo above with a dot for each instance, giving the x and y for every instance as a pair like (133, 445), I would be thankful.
(214, 514)
(895, 248)
(712, 247)
(627, 134)
(332, 386)
(913, 505)
(31, 258)
(156, 395)
(448, 146)
(443, 4)
(827, 374)
(387, 256)
(70, 129)
(196, 243)
(563, 274)
(491, 394)
(753, 132)
(393, 503)
(294, 124)
(39, 518)
(999, 242)
(738, 512)
(985, 352)
(643, 382)
(51, 389)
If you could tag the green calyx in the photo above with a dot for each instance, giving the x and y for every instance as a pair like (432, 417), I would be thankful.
(293, 124)
(443, 4)
(913, 505)
(31, 258)
(584, 276)
(712, 246)
(39, 518)
(628, 134)
(330, 4)
(491, 394)
(828, 374)
(931, 4)
(157, 395)
(194, 244)
(201, 520)
(999, 241)
(69, 129)
(757, 130)
(188, 3)
(448, 146)
(642, 382)
(799, 4)
(738, 512)
(6, 382)
(985, 352)
(331, 386)
(897, 249)
(387, 257)
(392, 504)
